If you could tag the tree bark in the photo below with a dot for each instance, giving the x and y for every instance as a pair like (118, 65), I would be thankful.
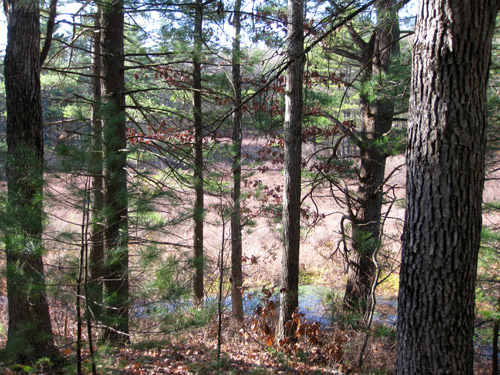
(289, 289)
(116, 287)
(445, 178)
(376, 119)
(236, 248)
(199, 211)
(29, 334)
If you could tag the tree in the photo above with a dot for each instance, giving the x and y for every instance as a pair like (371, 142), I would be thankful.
(198, 155)
(236, 250)
(96, 256)
(376, 111)
(30, 334)
(116, 287)
(445, 176)
(289, 289)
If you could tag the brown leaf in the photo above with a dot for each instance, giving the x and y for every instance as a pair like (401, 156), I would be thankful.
(270, 340)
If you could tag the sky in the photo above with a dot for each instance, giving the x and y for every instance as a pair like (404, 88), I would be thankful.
(69, 8)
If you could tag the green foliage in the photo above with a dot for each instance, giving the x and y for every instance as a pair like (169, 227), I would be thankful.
(166, 284)
(24, 369)
(365, 243)
(388, 85)
(391, 143)
(381, 331)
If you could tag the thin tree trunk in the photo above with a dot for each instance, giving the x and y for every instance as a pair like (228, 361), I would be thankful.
(445, 178)
(198, 157)
(96, 266)
(494, 362)
(236, 248)
(29, 334)
(116, 287)
(376, 119)
(289, 289)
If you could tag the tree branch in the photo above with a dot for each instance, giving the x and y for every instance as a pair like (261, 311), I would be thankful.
(50, 30)
(344, 53)
(356, 38)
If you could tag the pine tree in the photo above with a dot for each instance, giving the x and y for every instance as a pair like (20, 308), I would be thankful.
(289, 289)
(30, 334)
(236, 248)
(116, 287)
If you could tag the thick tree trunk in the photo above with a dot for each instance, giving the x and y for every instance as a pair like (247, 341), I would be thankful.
(445, 176)
(96, 258)
(30, 334)
(199, 213)
(116, 288)
(289, 289)
(236, 249)
(376, 119)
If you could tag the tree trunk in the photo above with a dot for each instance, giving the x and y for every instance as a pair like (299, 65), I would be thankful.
(236, 249)
(30, 334)
(116, 288)
(376, 119)
(198, 157)
(96, 258)
(289, 289)
(445, 177)
(494, 361)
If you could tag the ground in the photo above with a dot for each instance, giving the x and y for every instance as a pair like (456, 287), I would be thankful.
(333, 348)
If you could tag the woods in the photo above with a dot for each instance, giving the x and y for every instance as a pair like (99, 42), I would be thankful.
(223, 187)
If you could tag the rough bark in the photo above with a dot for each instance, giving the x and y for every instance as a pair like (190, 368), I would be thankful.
(116, 287)
(445, 177)
(292, 169)
(236, 248)
(376, 119)
(29, 334)
(96, 256)
(198, 157)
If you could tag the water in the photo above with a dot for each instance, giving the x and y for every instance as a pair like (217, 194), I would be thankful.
(313, 304)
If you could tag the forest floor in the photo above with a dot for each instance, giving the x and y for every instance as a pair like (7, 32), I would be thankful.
(332, 346)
